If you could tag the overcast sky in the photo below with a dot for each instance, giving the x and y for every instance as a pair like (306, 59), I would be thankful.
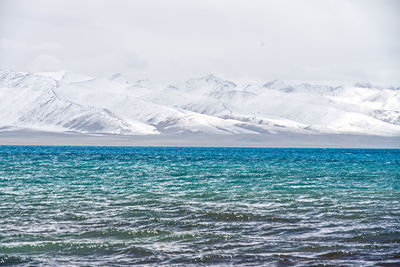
(173, 40)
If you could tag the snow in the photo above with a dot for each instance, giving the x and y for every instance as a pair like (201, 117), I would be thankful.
(65, 101)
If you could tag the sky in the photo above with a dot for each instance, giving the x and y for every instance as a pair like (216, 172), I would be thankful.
(173, 40)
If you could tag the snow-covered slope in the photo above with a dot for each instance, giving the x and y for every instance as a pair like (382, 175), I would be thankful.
(64, 101)
(28, 100)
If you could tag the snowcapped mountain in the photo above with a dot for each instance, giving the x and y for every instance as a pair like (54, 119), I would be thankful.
(65, 101)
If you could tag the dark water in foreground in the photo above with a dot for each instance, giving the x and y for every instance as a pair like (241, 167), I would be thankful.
(212, 206)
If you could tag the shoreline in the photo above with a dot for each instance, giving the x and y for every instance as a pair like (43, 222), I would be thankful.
(279, 140)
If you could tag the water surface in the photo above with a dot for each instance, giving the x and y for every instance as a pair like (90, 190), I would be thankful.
(113, 206)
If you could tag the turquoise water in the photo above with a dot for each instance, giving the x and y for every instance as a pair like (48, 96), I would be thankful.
(115, 206)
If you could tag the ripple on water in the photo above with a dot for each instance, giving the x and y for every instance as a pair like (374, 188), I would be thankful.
(202, 206)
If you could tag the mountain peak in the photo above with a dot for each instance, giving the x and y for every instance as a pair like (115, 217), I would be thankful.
(65, 76)
(275, 84)
(210, 77)
(363, 85)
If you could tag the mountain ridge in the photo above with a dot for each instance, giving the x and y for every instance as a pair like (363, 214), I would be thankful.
(65, 101)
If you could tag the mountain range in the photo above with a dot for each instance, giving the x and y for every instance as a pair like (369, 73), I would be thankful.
(69, 102)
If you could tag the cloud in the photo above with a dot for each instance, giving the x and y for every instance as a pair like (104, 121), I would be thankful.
(29, 57)
(172, 40)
